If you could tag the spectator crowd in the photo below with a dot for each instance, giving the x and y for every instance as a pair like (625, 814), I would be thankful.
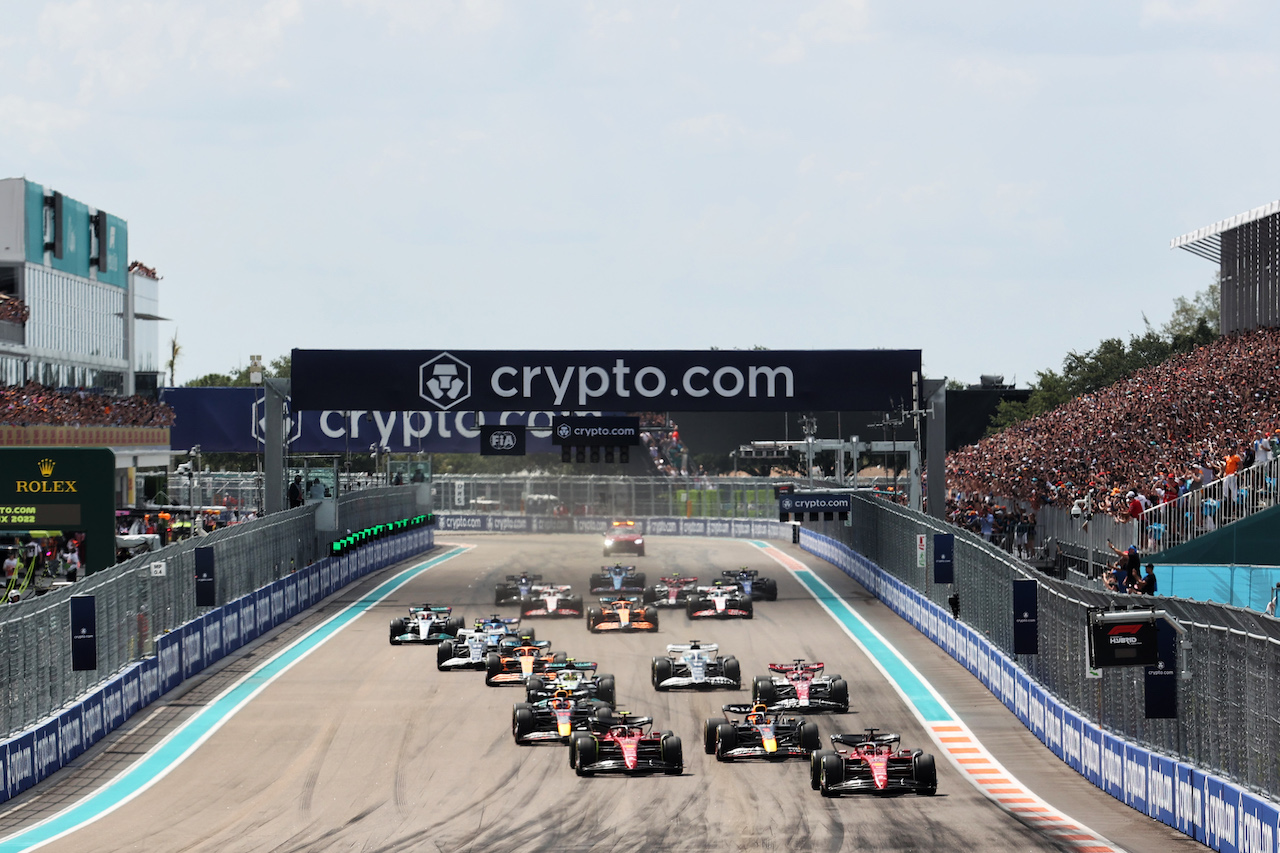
(13, 310)
(37, 405)
(1190, 420)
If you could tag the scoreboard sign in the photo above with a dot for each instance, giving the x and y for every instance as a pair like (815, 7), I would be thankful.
(68, 489)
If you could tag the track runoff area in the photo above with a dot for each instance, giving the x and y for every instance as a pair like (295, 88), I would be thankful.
(339, 741)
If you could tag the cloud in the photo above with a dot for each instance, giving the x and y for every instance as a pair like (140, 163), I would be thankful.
(714, 127)
(461, 16)
(833, 21)
(1187, 11)
(994, 77)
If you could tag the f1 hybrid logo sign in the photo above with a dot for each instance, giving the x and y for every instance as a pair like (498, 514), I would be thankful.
(594, 380)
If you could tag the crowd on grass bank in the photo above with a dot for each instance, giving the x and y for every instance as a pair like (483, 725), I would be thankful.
(13, 310)
(1144, 440)
(37, 405)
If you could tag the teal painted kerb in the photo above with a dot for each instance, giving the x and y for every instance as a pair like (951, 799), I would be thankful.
(919, 695)
(203, 723)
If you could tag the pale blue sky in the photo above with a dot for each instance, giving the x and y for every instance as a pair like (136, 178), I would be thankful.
(991, 182)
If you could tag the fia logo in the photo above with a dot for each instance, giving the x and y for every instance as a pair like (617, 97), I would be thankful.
(503, 440)
(444, 381)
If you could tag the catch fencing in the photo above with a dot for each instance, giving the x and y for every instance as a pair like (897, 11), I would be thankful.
(1227, 710)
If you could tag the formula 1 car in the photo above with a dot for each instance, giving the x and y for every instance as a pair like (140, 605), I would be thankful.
(798, 685)
(697, 665)
(556, 718)
(617, 578)
(468, 649)
(626, 744)
(549, 600)
(515, 666)
(621, 614)
(670, 592)
(514, 589)
(426, 624)
(874, 764)
(719, 601)
(760, 735)
(752, 585)
(576, 678)
(623, 537)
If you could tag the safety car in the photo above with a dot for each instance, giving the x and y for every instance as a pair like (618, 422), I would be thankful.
(695, 664)
(623, 537)
(875, 763)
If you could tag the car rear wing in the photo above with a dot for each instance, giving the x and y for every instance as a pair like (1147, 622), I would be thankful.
(610, 599)
(692, 645)
(868, 737)
(733, 574)
(607, 570)
(784, 668)
(585, 665)
(524, 577)
(679, 581)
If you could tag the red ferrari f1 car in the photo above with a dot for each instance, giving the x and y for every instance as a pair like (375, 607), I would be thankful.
(874, 764)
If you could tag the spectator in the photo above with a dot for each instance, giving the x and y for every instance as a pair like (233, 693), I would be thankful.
(295, 492)
(36, 405)
(1147, 586)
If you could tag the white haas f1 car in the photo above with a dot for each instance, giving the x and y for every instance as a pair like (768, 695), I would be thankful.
(670, 592)
(515, 588)
(556, 718)
(575, 678)
(760, 735)
(697, 665)
(719, 601)
(468, 649)
(626, 744)
(752, 585)
(798, 686)
(874, 764)
(616, 579)
(549, 600)
(426, 624)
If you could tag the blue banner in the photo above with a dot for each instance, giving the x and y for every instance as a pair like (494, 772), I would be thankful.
(84, 634)
(169, 654)
(21, 772)
(944, 566)
(113, 712)
(1113, 766)
(1162, 781)
(1160, 682)
(211, 630)
(193, 660)
(93, 726)
(1026, 617)
(46, 750)
(230, 626)
(70, 734)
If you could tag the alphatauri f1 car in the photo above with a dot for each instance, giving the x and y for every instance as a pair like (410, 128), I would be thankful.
(752, 585)
(514, 589)
(760, 735)
(695, 664)
(875, 763)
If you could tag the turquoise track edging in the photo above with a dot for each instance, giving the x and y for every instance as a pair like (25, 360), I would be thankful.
(171, 751)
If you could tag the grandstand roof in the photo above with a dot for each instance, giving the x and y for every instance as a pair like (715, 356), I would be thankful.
(1207, 241)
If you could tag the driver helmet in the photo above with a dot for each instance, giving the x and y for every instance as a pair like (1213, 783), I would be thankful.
(757, 712)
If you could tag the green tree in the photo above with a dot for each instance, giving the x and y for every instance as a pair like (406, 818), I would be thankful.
(1188, 314)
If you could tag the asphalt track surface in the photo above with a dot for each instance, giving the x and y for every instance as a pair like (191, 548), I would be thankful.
(361, 746)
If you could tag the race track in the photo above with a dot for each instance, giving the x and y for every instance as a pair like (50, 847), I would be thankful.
(362, 746)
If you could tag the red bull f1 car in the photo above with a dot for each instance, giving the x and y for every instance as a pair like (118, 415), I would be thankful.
(549, 600)
(624, 615)
(800, 686)
(426, 624)
(623, 537)
(626, 744)
(670, 592)
(617, 579)
(514, 667)
(760, 735)
(752, 585)
(697, 665)
(874, 763)
(576, 678)
(719, 601)
(556, 718)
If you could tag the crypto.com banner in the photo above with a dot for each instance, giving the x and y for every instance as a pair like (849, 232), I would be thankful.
(232, 420)
(667, 380)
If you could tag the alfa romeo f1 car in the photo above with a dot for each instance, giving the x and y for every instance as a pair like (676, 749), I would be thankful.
(626, 744)
(670, 592)
(719, 601)
(576, 678)
(760, 735)
(698, 665)
(617, 578)
(622, 538)
(426, 624)
(468, 649)
(516, 666)
(621, 614)
(752, 585)
(514, 589)
(874, 764)
(548, 600)
(556, 718)
(799, 685)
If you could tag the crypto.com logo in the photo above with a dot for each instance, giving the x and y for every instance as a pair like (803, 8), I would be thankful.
(292, 428)
(444, 381)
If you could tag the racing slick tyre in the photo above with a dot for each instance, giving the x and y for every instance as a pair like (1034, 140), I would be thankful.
(840, 694)
(492, 665)
(454, 625)
(521, 720)
(726, 739)
(764, 690)
(710, 733)
(534, 684)
(501, 594)
(398, 627)
(832, 774)
(733, 670)
(692, 606)
(810, 740)
(639, 578)
(575, 603)
(815, 766)
(560, 657)
(600, 581)
(750, 607)
(650, 614)
(444, 652)
(593, 618)
(650, 595)
(673, 755)
(925, 774)
(770, 589)
(585, 752)
(606, 692)
(661, 672)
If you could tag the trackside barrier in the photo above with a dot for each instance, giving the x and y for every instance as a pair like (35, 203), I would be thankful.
(1212, 810)
(33, 755)
(733, 528)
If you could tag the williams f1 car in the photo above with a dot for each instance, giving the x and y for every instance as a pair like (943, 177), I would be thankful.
(760, 735)
(670, 592)
(576, 678)
(556, 718)
(515, 666)
(719, 601)
(549, 600)
(426, 624)
(626, 744)
(623, 537)
(798, 686)
(696, 665)
(617, 578)
(468, 649)
(752, 585)
(621, 614)
(875, 763)
(515, 588)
